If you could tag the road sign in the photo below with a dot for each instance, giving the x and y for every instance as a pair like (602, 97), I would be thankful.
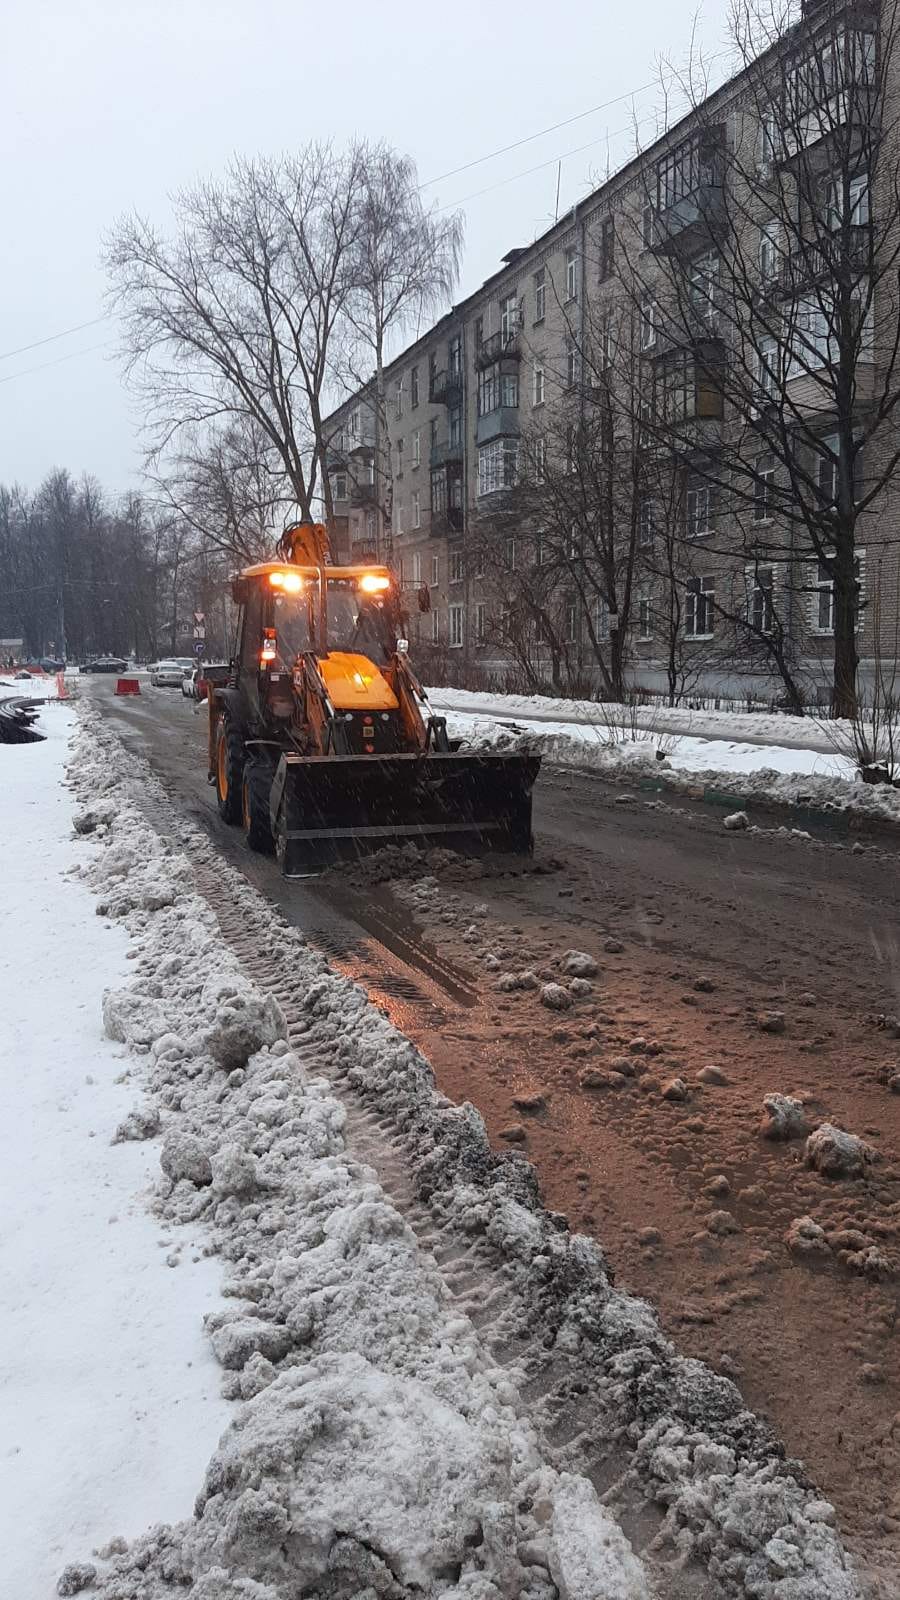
(199, 632)
(199, 647)
(199, 616)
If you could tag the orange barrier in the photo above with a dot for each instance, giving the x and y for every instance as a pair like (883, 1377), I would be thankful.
(62, 692)
(128, 686)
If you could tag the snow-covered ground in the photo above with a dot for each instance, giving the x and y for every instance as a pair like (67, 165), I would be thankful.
(647, 746)
(109, 1394)
(769, 728)
(378, 1447)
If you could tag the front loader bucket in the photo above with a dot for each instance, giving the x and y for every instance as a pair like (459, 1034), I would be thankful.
(328, 808)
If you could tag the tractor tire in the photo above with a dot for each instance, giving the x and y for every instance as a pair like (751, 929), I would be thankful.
(255, 790)
(229, 772)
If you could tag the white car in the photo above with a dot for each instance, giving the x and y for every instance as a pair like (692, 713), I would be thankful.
(167, 675)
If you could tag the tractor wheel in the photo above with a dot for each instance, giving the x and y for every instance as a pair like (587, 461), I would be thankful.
(229, 771)
(255, 790)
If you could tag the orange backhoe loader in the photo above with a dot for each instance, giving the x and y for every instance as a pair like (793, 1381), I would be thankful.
(322, 742)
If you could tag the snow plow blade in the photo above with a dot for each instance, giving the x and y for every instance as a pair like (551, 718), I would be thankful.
(335, 808)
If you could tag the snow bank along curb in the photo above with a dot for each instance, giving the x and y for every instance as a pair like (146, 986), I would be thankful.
(379, 1450)
(638, 762)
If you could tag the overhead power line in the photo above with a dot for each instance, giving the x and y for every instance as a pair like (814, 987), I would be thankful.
(52, 337)
(72, 356)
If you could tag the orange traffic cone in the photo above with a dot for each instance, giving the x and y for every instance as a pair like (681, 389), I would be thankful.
(62, 692)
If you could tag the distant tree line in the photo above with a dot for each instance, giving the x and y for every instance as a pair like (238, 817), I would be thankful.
(84, 573)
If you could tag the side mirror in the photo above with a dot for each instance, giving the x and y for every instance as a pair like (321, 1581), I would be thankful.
(403, 647)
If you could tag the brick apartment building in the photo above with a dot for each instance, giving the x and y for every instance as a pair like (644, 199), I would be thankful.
(690, 318)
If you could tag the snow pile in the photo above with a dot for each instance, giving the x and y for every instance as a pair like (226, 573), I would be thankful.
(639, 761)
(380, 1450)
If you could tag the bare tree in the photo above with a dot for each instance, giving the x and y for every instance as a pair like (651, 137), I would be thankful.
(764, 266)
(233, 319)
(226, 484)
(405, 264)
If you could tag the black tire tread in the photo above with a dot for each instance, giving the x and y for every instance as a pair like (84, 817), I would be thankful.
(258, 777)
(230, 809)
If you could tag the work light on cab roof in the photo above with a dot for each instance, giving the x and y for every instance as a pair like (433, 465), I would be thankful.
(323, 743)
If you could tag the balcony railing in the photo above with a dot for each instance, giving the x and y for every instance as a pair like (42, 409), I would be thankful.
(448, 520)
(498, 347)
(825, 259)
(441, 454)
(445, 388)
(688, 197)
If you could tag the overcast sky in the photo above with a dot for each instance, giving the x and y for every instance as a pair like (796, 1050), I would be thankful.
(108, 105)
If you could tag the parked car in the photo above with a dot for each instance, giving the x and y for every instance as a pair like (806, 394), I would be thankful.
(197, 685)
(167, 675)
(104, 664)
(51, 664)
(186, 663)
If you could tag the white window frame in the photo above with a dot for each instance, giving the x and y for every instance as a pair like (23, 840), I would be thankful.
(755, 589)
(479, 562)
(571, 259)
(399, 517)
(417, 448)
(540, 460)
(456, 572)
(648, 225)
(455, 627)
(571, 364)
(435, 571)
(537, 384)
(417, 568)
(648, 323)
(762, 495)
(819, 584)
(703, 613)
(435, 627)
(509, 317)
(698, 503)
(511, 555)
(416, 510)
(399, 450)
(480, 622)
(646, 522)
(540, 294)
(645, 616)
(497, 466)
(398, 399)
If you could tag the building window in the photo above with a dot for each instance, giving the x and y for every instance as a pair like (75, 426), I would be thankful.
(416, 511)
(540, 460)
(571, 273)
(828, 474)
(540, 295)
(398, 510)
(435, 571)
(479, 563)
(648, 226)
(488, 398)
(511, 555)
(769, 252)
(414, 388)
(353, 424)
(454, 356)
(602, 619)
(571, 365)
(454, 426)
(509, 318)
(370, 529)
(648, 323)
(432, 432)
(698, 510)
(767, 364)
(571, 620)
(509, 389)
(699, 609)
(455, 619)
(763, 486)
(645, 522)
(704, 289)
(417, 568)
(766, 143)
(399, 448)
(435, 627)
(456, 566)
(857, 198)
(571, 447)
(822, 594)
(339, 487)
(607, 248)
(480, 622)
(606, 344)
(417, 448)
(537, 385)
(760, 589)
(645, 621)
(497, 464)
(573, 545)
(399, 399)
